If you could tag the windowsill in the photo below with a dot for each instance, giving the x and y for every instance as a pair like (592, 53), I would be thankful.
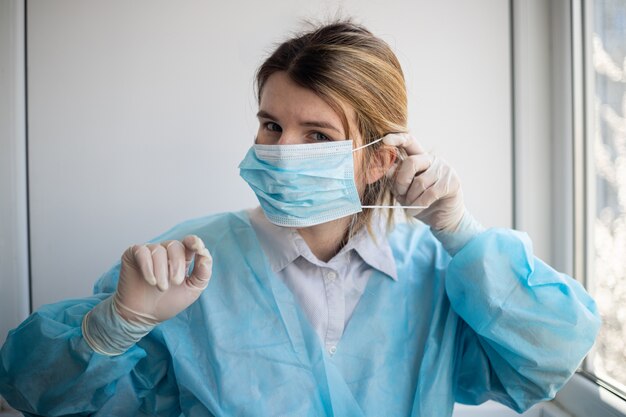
(494, 409)
(581, 398)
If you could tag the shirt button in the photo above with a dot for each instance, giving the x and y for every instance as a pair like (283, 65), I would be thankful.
(332, 350)
(331, 275)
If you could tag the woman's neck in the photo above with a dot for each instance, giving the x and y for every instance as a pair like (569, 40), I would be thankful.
(326, 240)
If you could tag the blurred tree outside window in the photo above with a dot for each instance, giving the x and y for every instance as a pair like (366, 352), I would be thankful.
(608, 213)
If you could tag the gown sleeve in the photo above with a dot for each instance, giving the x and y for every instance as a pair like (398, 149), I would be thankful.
(47, 368)
(525, 327)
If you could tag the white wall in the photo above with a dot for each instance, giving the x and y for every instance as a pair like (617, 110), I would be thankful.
(534, 163)
(139, 113)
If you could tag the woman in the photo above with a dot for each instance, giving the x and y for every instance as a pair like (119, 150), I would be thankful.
(316, 303)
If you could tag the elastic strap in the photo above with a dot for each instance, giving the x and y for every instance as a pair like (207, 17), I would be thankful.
(404, 207)
(365, 146)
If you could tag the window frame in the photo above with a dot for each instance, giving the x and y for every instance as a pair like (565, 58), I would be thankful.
(14, 259)
(584, 167)
(568, 75)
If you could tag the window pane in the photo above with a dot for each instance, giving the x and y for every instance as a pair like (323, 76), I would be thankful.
(608, 108)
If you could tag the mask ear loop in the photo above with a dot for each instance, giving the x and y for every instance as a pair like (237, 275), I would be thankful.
(401, 159)
(366, 145)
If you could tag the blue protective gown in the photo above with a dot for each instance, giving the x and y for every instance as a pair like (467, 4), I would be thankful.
(493, 322)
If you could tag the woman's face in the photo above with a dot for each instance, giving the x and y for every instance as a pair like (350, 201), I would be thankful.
(290, 115)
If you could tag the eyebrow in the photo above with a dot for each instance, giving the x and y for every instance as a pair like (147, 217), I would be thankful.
(310, 123)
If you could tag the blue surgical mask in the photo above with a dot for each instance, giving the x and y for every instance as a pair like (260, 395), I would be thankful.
(304, 185)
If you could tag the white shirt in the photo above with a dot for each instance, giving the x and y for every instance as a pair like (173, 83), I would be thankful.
(328, 292)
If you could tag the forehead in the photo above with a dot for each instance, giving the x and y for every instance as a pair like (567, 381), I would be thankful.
(286, 100)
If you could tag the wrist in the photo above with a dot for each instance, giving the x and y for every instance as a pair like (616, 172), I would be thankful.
(108, 333)
(454, 239)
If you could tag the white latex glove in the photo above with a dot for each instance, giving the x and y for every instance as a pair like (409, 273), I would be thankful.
(153, 285)
(425, 180)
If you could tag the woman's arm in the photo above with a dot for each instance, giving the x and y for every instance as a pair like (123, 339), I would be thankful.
(47, 368)
(526, 327)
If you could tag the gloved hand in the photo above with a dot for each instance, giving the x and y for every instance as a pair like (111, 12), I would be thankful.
(152, 286)
(425, 180)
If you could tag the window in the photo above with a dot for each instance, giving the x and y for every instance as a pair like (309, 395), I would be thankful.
(605, 143)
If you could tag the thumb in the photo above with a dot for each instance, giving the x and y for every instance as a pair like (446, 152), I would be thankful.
(203, 262)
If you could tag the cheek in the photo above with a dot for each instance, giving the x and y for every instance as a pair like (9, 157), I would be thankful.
(261, 137)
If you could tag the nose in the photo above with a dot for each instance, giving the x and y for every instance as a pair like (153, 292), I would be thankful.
(289, 138)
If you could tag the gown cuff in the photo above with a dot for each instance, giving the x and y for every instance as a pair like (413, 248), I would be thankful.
(107, 333)
(454, 241)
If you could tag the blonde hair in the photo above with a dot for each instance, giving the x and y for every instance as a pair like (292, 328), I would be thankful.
(345, 64)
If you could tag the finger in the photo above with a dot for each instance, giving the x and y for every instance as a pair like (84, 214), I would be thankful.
(189, 255)
(422, 182)
(406, 141)
(407, 171)
(176, 261)
(430, 196)
(203, 262)
(143, 260)
(201, 273)
(194, 245)
(159, 265)
(445, 186)
(189, 243)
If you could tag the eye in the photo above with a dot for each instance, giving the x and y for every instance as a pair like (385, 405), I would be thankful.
(272, 127)
(320, 136)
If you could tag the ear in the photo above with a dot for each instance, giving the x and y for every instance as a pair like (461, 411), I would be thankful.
(382, 161)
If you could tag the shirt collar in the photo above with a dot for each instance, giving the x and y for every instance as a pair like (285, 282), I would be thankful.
(278, 243)
(283, 245)
(375, 251)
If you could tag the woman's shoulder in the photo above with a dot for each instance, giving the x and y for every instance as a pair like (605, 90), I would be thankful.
(212, 229)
